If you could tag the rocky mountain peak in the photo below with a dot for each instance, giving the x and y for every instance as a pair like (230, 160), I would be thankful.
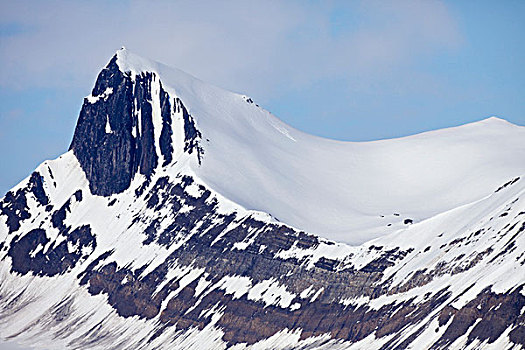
(125, 128)
(165, 247)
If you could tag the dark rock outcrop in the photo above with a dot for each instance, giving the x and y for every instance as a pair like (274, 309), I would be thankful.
(14, 204)
(490, 314)
(115, 138)
(36, 253)
(109, 160)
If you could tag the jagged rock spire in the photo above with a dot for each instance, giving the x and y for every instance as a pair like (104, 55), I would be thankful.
(115, 136)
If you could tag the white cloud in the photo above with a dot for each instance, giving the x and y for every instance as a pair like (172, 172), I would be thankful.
(262, 48)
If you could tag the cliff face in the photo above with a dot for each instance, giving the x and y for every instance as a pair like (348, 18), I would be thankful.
(120, 244)
(125, 128)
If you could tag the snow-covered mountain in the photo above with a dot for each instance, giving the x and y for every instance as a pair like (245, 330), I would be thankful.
(186, 216)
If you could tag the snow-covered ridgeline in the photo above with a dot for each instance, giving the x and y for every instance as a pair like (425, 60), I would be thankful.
(224, 235)
(361, 190)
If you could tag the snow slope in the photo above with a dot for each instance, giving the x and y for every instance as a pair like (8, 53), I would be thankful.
(339, 190)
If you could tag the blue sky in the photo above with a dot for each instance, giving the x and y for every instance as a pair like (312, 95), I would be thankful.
(350, 70)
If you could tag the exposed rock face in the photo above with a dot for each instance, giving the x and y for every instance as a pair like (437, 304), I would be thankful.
(35, 252)
(14, 204)
(489, 315)
(110, 160)
(56, 260)
(115, 137)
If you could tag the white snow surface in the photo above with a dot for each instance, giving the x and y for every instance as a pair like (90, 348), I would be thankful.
(345, 191)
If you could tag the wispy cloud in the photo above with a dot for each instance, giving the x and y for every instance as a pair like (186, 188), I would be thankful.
(263, 48)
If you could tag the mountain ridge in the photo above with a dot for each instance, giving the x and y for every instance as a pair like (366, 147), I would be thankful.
(255, 160)
(162, 257)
